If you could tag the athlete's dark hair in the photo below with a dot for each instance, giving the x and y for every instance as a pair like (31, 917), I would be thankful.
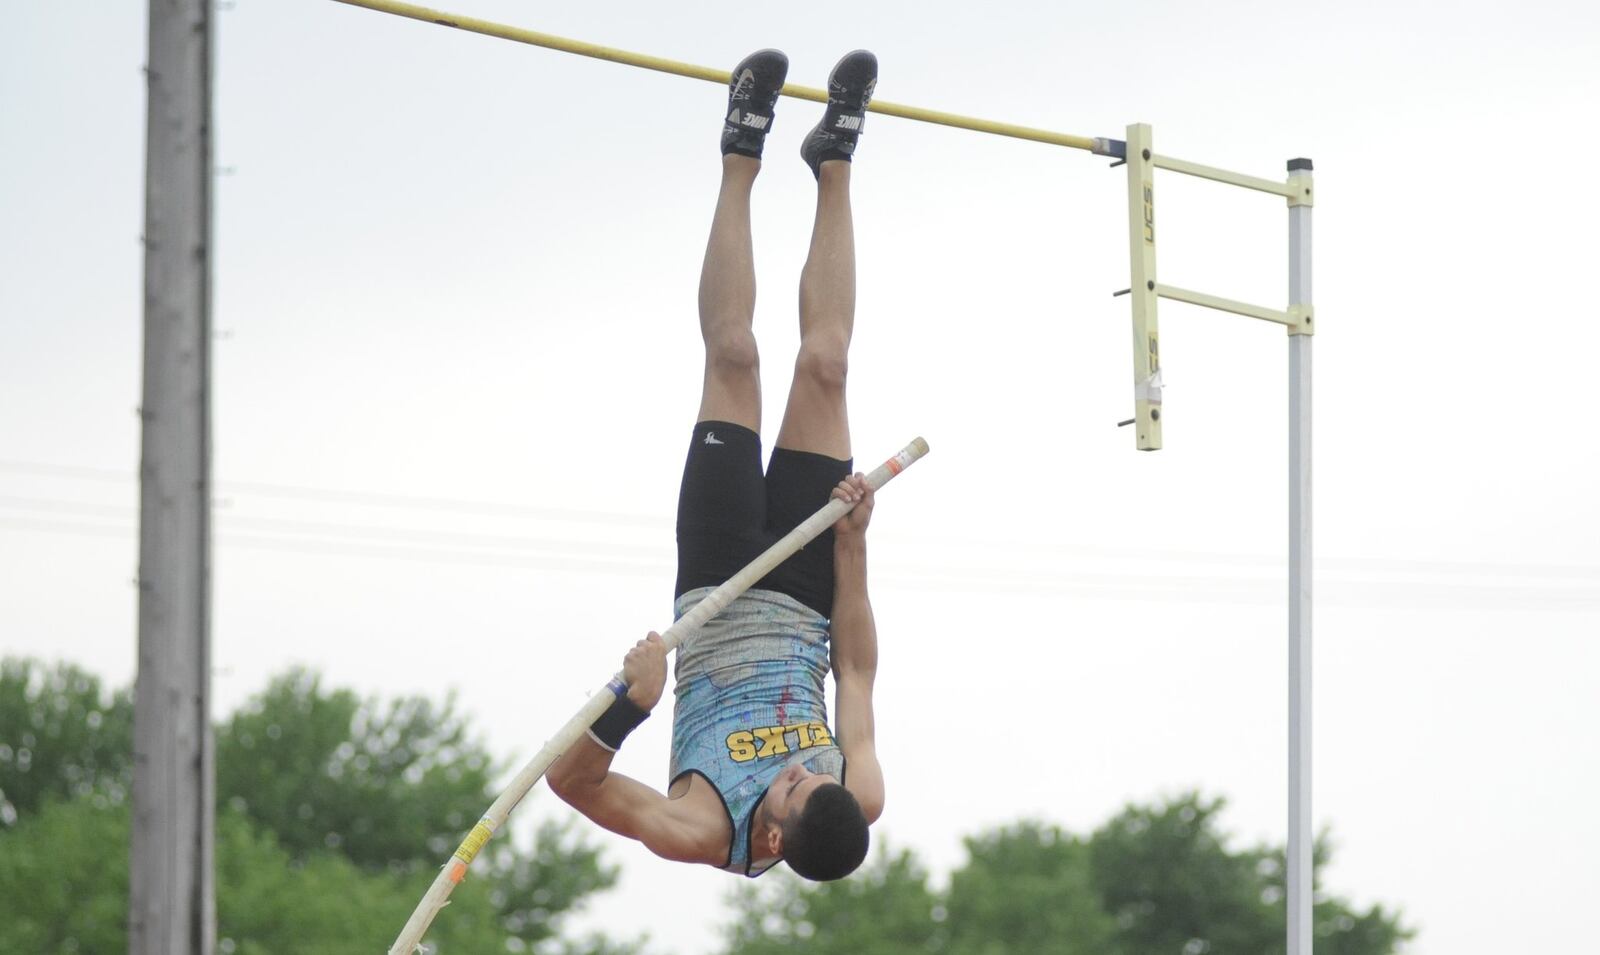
(827, 838)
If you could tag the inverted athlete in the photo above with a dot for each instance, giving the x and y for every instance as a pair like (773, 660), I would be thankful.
(757, 775)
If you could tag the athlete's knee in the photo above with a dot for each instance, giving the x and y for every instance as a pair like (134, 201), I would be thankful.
(732, 353)
(824, 360)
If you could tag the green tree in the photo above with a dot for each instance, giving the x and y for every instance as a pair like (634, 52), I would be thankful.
(386, 784)
(61, 735)
(268, 902)
(392, 786)
(64, 879)
(1154, 880)
(1340, 929)
(333, 816)
(1168, 875)
(1027, 888)
(886, 908)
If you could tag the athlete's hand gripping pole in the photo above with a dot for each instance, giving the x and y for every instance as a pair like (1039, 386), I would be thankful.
(456, 868)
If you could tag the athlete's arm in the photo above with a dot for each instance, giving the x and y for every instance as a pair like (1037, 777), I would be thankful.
(855, 649)
(582, 777)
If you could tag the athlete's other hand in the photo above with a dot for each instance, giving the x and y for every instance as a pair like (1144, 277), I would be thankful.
(856, 490)
(644, 669)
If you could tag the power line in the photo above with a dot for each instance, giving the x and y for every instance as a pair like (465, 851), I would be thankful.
(360, 532)
(370, 498)
(944, 569)
(389, 500)
(939, 577)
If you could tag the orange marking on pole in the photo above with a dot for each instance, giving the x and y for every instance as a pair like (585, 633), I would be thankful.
(458, 871)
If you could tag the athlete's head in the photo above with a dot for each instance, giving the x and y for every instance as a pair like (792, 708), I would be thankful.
(826, 839)
(817, 825)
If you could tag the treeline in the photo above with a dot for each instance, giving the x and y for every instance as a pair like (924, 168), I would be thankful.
(1155, 880)
(333, 813)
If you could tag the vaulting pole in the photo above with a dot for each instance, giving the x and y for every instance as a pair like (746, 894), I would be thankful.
(456, 869)
(172, 904)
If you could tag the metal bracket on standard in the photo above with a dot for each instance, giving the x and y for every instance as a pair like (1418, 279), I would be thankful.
(1301, 192)
(1115, 148)
(1300, 320)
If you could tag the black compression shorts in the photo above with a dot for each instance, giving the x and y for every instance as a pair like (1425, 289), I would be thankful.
(729, 512)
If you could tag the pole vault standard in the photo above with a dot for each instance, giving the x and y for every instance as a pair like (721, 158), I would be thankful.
(456, 869)
(1145, 292)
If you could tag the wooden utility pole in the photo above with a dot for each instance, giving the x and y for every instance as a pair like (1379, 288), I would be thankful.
(172, 904)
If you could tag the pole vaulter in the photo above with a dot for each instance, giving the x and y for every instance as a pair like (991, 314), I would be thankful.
(455, 870)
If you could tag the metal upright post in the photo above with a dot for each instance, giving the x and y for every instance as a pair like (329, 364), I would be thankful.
(1301, 840)
(172, 907)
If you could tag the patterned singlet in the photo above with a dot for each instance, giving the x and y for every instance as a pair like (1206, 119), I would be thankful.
(750, 701)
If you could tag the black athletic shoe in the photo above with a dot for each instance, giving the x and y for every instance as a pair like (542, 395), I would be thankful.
(850, 88)
(752, 95)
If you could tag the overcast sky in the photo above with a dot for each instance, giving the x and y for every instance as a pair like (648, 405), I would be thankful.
(457, 361)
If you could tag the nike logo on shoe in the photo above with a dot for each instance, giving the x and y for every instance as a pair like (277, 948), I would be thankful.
(848, 122)
(711, 438)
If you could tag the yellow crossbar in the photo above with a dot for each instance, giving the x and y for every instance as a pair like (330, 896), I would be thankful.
(626, 58)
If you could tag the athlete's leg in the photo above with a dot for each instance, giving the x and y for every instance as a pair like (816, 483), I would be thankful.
(722, 503)
(732, 388)
(816, 419)
(813, 447)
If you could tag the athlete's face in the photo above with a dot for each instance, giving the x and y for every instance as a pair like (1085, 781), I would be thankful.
(788, 793)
